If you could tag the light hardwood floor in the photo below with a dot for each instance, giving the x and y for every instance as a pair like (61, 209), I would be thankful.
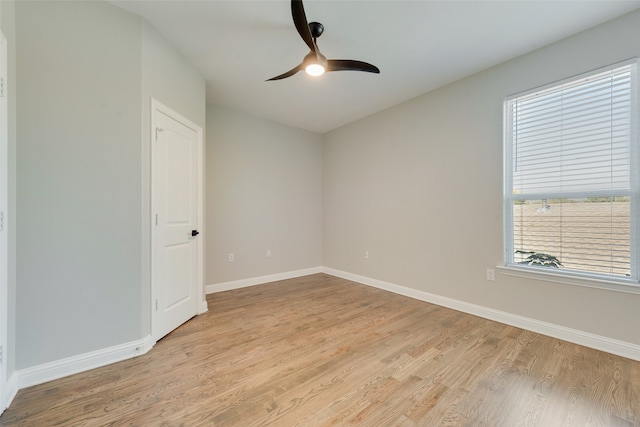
(321, 351)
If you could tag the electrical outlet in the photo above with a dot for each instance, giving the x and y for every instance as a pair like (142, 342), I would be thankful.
(366, 254)
(491, 274)
(268, 253)
(232, 258)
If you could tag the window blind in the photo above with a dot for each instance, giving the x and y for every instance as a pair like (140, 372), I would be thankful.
(570, 195)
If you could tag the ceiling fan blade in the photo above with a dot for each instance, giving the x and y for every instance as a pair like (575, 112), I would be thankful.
(351, 65)
(300, 21)
(287, 74)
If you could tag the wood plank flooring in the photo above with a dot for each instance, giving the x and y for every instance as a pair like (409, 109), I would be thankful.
(323, 351)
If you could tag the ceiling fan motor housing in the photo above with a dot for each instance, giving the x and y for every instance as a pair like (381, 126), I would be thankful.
(316, 29)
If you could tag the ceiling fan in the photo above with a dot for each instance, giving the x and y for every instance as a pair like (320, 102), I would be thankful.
(315, 63)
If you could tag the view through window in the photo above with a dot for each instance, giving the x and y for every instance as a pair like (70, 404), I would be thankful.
(571, 175)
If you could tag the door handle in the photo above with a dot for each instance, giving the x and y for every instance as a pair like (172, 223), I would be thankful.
(194, 233)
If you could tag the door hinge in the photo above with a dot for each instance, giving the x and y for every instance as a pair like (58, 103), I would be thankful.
(1, 221)
(158, 130)
(156, 219)
(1, 358)
(156, 304)
(1, 87)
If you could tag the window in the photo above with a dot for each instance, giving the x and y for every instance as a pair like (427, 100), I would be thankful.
(571, 176)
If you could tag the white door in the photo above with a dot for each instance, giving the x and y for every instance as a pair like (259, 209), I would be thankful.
(177, 220)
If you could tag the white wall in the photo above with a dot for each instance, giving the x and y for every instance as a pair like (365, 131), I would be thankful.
(420, 187)
(264, 191)
(87, 71)
(170, 78)
(7, 23)
(78, 162)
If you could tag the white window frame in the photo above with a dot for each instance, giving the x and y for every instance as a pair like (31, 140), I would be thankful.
(572, 277)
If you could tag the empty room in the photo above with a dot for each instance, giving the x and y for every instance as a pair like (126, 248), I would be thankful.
(316, 213)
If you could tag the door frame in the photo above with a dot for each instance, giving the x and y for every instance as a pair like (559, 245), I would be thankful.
(159, 108)
(4, 225)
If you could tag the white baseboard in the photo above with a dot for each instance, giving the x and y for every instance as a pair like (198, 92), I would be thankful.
(80, 363)
(244, 283)
(11, 389)
(204, 307)
(598, 342)
(83, 362)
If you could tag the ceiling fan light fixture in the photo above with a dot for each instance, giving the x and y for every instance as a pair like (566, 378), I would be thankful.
(315, 64)
(314, 70)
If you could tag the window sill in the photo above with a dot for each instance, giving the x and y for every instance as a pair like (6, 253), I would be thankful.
(621, 285)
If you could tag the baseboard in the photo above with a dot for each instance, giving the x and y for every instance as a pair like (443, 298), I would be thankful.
(11, 389)
(598, 342)
(204, 307)
(83, 362)
(244, 283)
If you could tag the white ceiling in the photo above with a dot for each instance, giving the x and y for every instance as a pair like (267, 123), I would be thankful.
(418, 45)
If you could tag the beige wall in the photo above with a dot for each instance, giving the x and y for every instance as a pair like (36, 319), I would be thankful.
(264, 191)
(419, 186)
